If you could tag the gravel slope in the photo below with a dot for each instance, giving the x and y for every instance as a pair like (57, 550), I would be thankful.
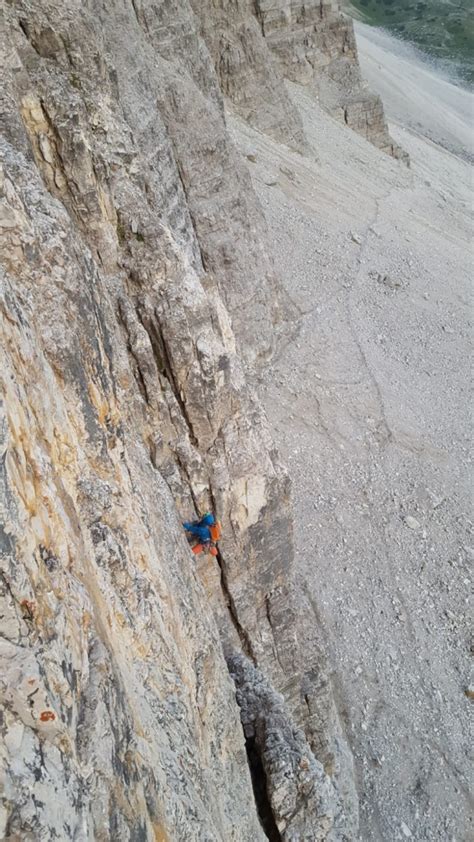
(414, 94)
(370, 408)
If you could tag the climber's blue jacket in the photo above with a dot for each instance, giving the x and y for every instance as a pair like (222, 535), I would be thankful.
(200, 528)
(201, 532)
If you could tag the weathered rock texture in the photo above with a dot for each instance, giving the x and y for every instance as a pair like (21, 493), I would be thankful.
(133, 251)
(288, 766)
(343, 93)
(316, 46)
(247, 72)
(312, 43)
(307, 37)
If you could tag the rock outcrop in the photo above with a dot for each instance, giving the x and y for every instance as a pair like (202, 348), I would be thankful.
(285, 772)
(246, 70)
(255, 46)
(315, 46)
(135, 277)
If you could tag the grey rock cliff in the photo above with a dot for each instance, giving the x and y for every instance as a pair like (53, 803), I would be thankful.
(315, 45)
(133, 265)
(255, 46)
(292, 774)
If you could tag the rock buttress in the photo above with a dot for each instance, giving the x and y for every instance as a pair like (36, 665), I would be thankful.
(130, 235)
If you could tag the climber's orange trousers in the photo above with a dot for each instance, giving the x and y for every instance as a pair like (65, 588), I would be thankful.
(202, 548)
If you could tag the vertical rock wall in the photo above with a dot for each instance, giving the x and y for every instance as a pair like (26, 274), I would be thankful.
(316, 46)
(248, 74)
(133, 252)
(312, 43)
(307, 36)
(118, 719)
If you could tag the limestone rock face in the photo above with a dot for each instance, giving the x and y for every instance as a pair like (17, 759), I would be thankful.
(343, 93)
(121, 88)
(119, 720)
(307, 36)
(247, 72)
(118, 717)
(134, 267)
(315, 45)
(291, 772)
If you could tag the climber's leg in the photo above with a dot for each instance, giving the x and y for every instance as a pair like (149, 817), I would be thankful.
(198, 548)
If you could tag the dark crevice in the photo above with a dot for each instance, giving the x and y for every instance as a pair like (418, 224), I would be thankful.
(165, 368)
(23, 24)
(136, 11)
(162, 363)
(139, 377)
(184, 468)
(141, 18)
(259, 785)
(259, 16)
(140, 380)
(134, 7)
(269, 620)
(193, 223)
(242, 633)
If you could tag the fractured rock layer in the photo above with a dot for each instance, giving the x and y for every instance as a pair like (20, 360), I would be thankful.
(316, 46)
(284, 759)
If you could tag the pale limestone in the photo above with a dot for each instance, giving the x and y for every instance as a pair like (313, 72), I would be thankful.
(134, 251)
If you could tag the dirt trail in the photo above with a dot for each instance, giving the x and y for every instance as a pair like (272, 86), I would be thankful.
(370, 408)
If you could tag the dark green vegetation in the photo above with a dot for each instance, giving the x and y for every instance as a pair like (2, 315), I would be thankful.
(444, 29)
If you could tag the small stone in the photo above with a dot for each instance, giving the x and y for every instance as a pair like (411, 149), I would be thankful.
(448, 329)
(252, 158)
(411, 522)
(355, 238)
(388, 281)
(405, 830)
(289, 173)
(469, 691)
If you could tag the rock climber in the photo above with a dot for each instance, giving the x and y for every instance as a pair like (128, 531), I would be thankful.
(207, 530)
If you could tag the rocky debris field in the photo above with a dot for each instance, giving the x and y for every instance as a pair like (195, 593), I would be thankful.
(369, 405)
